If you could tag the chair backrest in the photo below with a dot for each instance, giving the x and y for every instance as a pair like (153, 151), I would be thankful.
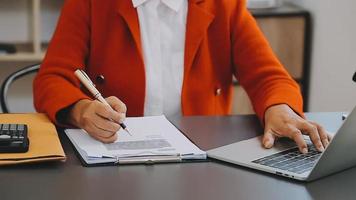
(10, 79)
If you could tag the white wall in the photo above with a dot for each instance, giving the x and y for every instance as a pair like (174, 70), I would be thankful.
(16, 19)
(334, 54)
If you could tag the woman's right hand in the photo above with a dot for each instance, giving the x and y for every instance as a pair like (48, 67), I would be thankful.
(99, 120)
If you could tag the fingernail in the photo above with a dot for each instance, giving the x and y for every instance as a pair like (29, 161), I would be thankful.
(321, 148)
(305, 150)
(268, 144)
(326, 142)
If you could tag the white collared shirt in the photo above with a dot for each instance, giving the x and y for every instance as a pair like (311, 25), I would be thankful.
(162, 28)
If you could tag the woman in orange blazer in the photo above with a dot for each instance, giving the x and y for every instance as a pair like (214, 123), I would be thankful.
(222, 40)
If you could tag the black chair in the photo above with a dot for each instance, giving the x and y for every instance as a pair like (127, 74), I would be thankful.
(10, 79)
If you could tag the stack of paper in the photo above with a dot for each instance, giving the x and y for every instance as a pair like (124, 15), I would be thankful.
(154, 139)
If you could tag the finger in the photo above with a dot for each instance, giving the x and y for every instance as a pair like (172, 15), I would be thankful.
(116, 104)
(107, 112)
(102, 135)
(312, 131)
(119, 107)
(268, 139)
(111, 139)
(105, 124)
(122, 117)
(91, 128)
(297, 136)
(323, 134)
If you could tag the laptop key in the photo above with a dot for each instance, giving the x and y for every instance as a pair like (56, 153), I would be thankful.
(270, 163)
(280, 159)
(305, 170)
(279, 165)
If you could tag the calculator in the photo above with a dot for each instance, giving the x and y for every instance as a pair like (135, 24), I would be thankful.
(13, 138)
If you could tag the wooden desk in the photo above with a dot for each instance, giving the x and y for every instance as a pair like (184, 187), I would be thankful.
(208, 180)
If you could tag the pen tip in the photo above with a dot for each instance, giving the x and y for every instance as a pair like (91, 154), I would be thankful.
(127, 131)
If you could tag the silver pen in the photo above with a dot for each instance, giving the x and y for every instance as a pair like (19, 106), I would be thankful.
(85, 80)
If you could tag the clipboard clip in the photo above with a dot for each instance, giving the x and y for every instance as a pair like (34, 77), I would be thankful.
(149, 160)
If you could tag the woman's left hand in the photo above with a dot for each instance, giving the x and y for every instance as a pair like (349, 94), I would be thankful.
(282, 121)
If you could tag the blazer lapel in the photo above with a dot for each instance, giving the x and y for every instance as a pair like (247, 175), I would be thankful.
(198, 21)
(128, 12)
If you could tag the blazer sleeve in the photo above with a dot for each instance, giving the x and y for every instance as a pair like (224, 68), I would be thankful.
(55, 87)
(257, 69)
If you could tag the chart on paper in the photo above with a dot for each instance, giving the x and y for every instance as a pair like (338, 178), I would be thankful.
(138, 145)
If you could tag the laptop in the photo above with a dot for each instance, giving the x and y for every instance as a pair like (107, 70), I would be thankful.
(284, 158)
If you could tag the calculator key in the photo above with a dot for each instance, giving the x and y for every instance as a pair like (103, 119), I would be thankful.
(20, 127)
(5, 136)
(12, 127)
(5, 127)
(6, 133)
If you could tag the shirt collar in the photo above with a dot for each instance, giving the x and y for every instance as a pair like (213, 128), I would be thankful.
(137, 3)
(172, 4)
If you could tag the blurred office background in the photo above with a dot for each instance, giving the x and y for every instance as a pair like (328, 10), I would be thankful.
(334, 54)
(30, 23)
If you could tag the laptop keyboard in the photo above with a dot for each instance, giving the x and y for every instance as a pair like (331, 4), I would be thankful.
(291, 160)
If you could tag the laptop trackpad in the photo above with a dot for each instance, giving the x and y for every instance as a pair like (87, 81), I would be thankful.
(248, 150)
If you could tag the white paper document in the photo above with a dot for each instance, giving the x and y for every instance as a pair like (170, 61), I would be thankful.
(152, 137)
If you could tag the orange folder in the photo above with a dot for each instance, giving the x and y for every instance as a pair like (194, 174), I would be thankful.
(44, 141)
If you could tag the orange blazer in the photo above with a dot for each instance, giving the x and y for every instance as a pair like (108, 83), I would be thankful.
(103, 37)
